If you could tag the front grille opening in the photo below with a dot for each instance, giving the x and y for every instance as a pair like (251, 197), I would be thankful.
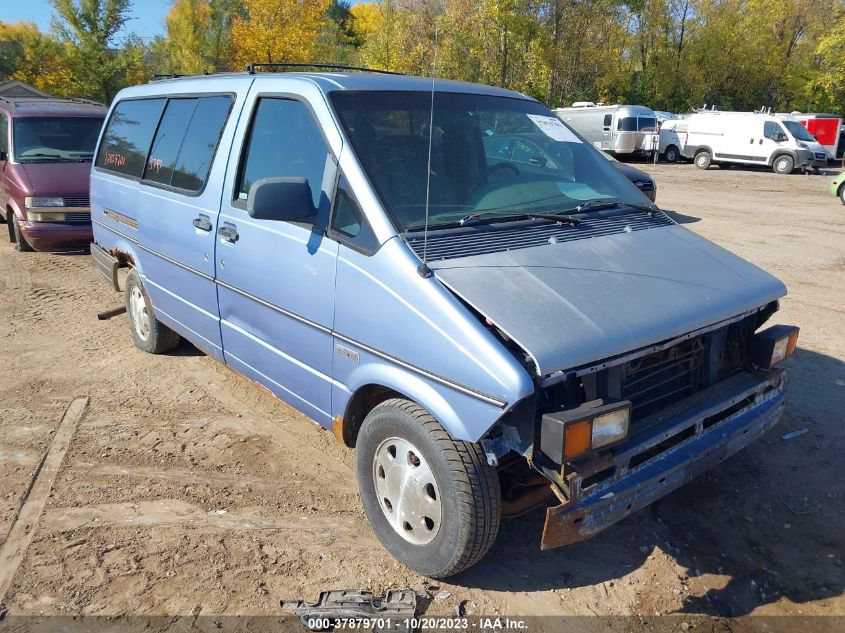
(656, 380)
(664, 446)
(726, 413)
(597, 478)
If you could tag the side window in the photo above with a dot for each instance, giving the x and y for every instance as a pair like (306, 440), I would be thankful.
(348, 220)
(128, 135)
(770, 128)
(608, 119)
(4, 133)
(186, 140)
(168, 140)
(627, 124)
(284, 141)
(200, 143)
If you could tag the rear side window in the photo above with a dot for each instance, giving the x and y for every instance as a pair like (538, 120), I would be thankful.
(608, 119)
(168, 140)
(284, 141)
(128, 135)
(185, 142)
(200, 143)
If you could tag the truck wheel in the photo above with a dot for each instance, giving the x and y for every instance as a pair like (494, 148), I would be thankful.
(783, 165)
(672, 154)
(842, 193)
(434, 502)
(17, 237)
(148, 333)
(703, 159)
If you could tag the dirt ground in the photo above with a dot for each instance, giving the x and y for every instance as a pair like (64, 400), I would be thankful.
(187, 490)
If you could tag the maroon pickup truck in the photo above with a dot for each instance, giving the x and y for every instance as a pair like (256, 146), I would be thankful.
(46, 147)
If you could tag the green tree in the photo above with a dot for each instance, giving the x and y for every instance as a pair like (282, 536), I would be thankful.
(88, 30)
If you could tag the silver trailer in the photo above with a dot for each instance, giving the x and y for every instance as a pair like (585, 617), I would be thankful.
(618, 129)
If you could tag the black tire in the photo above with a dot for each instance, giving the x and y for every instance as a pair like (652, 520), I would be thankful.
(21, 244)
(672, 154)
(783, 164)
(703, 159)
(159, 338)
(468, 488)
(842, 193)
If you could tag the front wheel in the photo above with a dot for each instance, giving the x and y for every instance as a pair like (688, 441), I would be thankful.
(434, 502)
(17, 236)
(703, 159)
(842, 194)
(783, 165)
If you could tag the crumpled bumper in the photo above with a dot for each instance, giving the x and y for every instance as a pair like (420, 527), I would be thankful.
(715, 424)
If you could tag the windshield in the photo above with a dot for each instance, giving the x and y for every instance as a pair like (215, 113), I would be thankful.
(798, 131)
(490, 155)
(55, 138)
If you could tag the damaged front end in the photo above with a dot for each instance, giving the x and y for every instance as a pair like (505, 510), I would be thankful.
(685, 405)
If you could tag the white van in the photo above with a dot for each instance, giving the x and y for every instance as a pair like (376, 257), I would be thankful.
(673, 139)
(749, 138)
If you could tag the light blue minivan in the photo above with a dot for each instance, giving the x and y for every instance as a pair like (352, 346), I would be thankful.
(488, 331)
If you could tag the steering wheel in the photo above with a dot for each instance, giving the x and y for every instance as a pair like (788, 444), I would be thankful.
(490, 171)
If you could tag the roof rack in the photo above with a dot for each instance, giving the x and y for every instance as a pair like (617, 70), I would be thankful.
(27, 99)
(251, 68)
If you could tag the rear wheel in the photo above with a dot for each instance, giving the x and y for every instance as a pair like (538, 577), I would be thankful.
(148, 333)
(783, 165)
(672, 154)
(17, 236)
(433, 502)
(703, 159)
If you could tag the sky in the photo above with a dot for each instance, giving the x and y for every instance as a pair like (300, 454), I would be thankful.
(147, 15)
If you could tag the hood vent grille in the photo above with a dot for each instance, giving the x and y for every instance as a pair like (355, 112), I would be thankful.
(488, 238)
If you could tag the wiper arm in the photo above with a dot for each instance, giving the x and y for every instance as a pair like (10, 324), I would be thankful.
(562, 217)
(598, 205)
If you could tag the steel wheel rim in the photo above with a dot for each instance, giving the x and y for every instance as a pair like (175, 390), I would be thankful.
(702, 160)
(139, 314)
(407, 491)
(782, 164)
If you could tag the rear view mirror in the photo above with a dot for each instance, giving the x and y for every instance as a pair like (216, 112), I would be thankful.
(280, 199)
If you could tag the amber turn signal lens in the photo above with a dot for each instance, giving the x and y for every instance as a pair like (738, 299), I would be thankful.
(577, 438)
(793, 343)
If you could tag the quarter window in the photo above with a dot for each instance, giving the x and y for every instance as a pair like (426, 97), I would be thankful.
(4, 134)
(608, 119)
(284, 142)
(126, 141)
(348, 220)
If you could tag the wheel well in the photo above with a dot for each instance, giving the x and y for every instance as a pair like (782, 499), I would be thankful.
(364, 400)
(703, 149)
(777, 155)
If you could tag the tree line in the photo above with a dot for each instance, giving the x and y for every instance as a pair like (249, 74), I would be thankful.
(668, 54)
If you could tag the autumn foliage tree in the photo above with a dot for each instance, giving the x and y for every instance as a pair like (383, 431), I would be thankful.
(278, 31)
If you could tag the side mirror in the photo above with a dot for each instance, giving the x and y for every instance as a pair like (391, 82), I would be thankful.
(280, 199)
(4, 155)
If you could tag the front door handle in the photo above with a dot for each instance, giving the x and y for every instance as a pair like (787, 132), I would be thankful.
(203, 224)
(228, 233)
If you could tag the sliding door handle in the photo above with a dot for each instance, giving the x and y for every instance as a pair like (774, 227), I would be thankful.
(228, 233)
(203, 224)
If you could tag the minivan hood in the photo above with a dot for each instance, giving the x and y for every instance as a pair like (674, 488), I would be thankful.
(576, 303)
(58, 179)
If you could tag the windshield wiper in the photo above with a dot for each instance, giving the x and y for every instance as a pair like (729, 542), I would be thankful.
(599, 204)
(40, 155)
(562, 217)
